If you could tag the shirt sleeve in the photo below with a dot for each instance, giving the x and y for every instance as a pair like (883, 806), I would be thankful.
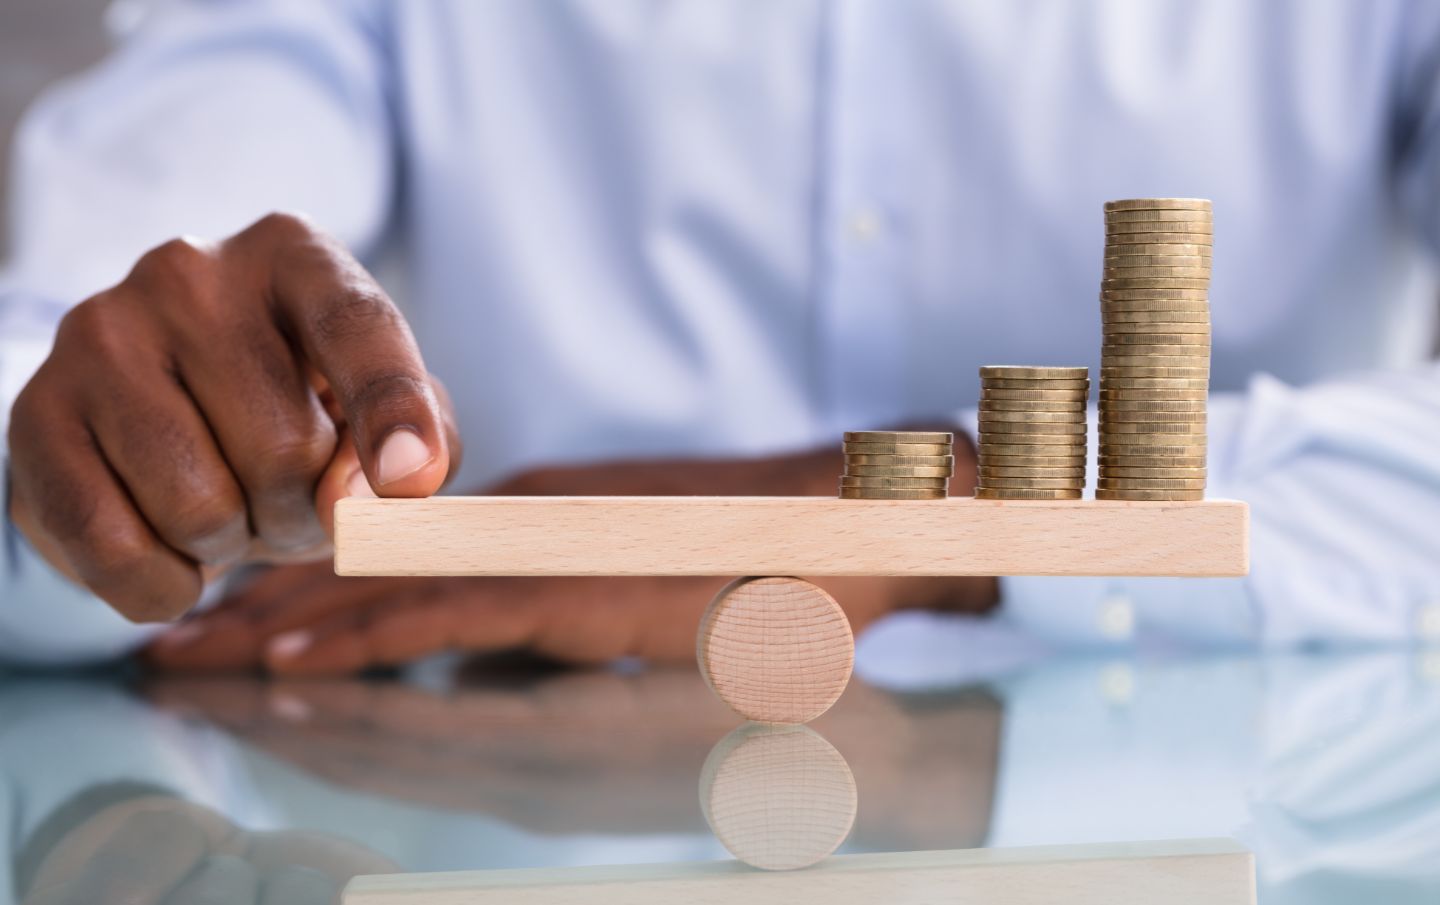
(1344, 488)
(206, 117)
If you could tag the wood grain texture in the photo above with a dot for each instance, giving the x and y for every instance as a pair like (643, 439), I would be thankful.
(777, 650)
(788, 536)
(1187, 872)
(778, 797)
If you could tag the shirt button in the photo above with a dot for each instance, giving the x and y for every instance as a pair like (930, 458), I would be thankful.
(865, 225)
(1117, 618)
(1427, 623)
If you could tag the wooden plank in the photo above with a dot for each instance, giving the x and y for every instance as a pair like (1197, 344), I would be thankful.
(1186, 872)
(806, 536)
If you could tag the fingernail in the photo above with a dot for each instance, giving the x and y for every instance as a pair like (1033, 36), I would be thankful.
(358, 485)
(181, 636)
(403, 454)
(290, 645)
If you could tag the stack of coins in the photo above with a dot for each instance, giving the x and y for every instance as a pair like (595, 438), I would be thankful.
(897, 465)
(1032, 433)
(1155, 363)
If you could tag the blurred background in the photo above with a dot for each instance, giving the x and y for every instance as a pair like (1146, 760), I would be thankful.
(40, 41)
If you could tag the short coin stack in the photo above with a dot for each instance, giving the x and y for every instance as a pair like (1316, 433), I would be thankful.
(1155, 363)
(897, 465)
(1032, 433)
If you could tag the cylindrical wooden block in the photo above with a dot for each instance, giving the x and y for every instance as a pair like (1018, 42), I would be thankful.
(777, 650)
(778, 797)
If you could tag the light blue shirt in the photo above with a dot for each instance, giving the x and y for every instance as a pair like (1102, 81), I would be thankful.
(625, 228)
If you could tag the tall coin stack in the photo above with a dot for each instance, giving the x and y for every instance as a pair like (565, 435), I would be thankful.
(897, 465)
(1155, 363)
(1032, 433)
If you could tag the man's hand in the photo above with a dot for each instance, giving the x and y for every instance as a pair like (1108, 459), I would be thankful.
(305, 620)
(211, 408)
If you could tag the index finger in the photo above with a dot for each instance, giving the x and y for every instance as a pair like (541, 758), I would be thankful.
(355, 336)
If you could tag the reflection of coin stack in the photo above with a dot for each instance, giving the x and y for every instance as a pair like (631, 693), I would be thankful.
(897, 465)
(1032, 433)
(1155, 363)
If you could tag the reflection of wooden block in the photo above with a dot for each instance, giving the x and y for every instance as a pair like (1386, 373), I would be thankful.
(777, 797)
(1188, 872)
(777, 650)
(787, 536)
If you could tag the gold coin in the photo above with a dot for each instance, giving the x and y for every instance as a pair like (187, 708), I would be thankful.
(1118, 320)
(1204, 227)
(1022, 383)
(1142, 346)
(1029, 405)
(1151, 483)
(1118, 239)
(1148, 283)
(893, 483)
(1034, 417)
(899, 471)
(1153, 382)
(1173, 295)
(1152, 305)
(1029, 372)
(1149, 329)
(1030, 471)
(1058, 444)
(1120, 471)
(899, 449)
(881, 493)
(1032, 483)
(1037, 457)
(899, 437)
(1129, 363)
(1157, 496)
(1063, 428)
(1161, 249)
(1153, 462)
(1158, 339)
(1011, 493)
(1159, 216)
(1118, 272)
(1142, 395)
(1159, 204)
(1157, 422)
(1120, 259)
(991, 452)
(1153, 427)
(1003, 395)
(1162, 448)
(1152, 405)
(896, 461)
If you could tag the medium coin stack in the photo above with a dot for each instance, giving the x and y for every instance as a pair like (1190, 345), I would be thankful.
(897, 465)
(1155, 363)
(1032, 433)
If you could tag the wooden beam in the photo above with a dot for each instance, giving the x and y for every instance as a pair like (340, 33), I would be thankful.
(805, 536)
(1186, 872)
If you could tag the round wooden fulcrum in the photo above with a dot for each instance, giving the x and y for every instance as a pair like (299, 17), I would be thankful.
(777, 650)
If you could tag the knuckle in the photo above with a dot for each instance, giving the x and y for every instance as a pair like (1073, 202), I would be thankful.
(97, 333)
(182, 257)
(387, 394)
(283, 225)
(297, 458)
(208, 527)
(353, 311)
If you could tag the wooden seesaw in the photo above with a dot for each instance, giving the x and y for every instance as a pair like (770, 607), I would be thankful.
(779, 649)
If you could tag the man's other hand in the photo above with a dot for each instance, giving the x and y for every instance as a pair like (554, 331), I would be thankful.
(210, 409)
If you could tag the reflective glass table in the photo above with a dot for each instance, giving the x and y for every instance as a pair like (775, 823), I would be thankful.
(137, 789)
